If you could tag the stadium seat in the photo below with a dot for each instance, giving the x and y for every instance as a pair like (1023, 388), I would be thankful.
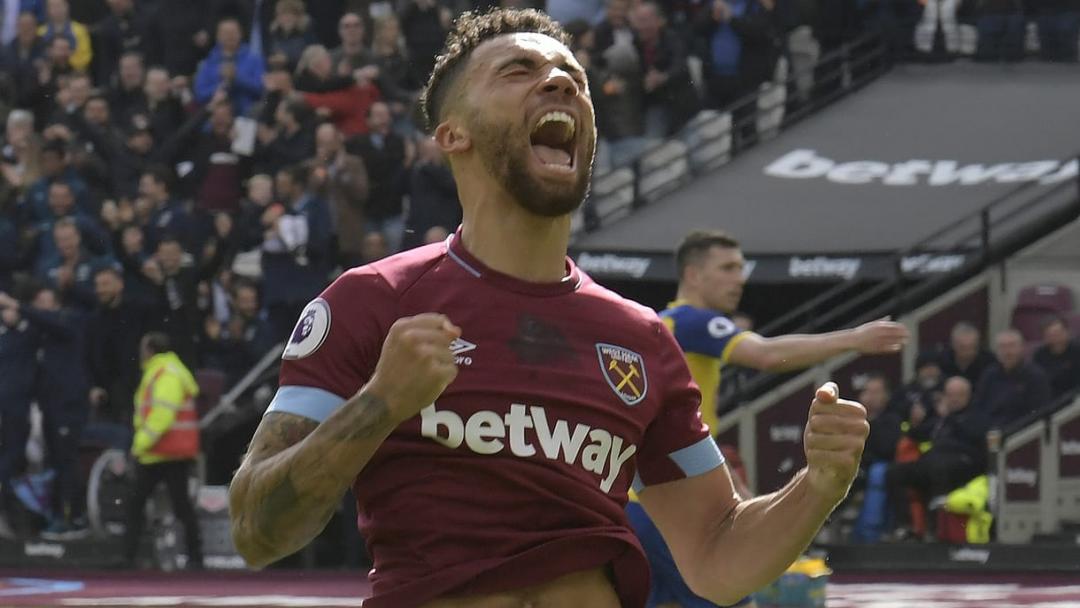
(1047, 298)
(1028, 322)
(211, 387)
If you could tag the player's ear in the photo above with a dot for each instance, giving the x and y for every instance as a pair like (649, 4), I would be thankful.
(452, 137)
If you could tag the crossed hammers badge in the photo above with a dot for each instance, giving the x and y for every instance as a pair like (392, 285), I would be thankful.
(624, 371)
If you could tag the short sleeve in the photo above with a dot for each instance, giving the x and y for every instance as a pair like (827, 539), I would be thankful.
(332, 351)
(677, 443)
(707, 333)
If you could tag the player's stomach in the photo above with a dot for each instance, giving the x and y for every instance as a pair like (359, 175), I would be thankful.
(591, 588)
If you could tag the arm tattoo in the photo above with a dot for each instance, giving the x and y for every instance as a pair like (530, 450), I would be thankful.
(370, 419)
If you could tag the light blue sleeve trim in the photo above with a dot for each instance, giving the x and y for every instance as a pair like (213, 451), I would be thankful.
(307, 401)
(698, 458)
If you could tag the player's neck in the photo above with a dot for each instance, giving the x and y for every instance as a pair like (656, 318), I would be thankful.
(689, 297)
(518, 244)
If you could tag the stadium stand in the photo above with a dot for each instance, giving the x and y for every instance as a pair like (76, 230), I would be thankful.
(183, 167)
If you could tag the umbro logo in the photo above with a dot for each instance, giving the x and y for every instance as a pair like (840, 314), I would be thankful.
(458, 348)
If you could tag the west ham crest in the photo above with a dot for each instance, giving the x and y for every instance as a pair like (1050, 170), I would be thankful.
(624, 371)
(310, 331)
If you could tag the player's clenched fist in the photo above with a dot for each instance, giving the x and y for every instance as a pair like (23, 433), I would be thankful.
(416, 364)
(834, 437)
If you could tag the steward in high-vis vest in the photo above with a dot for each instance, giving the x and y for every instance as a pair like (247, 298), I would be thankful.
(166, 442)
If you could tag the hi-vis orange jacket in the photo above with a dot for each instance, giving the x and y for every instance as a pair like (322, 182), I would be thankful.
(166, 422)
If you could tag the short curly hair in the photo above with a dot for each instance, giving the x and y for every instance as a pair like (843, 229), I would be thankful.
(470, 31)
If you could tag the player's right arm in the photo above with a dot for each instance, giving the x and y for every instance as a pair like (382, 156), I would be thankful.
(298, 469)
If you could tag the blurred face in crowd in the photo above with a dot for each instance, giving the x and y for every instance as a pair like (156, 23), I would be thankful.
(121, 7)
(247, 301)
(221, 119)
(46, 300)
(929, 375)
(646, 21)
(387, 32)
(435, 234)
(965, 343)
(319, 62)
(288, 15)
(19, 126)
(96, 112)
(228, 36)
(717, 278)
(141, 142)
(379, 117)
(26, 29)
(617, 11)
(170, 255)
(1010, 349)
(61, 199)
(351, 30)
(1056, 336)
(956, 396)
(260, 190)
(132, 239)
(67, 241)
(53, 162)
(57, 11)
(79, 88)
(327, 141)
(151, 189)
(131, 72)
(60, 51)
(156, 87)
(874, 396)
(108, 286)
(287, 190)
(373, 247)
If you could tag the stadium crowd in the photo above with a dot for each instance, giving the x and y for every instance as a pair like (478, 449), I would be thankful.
(204, 168)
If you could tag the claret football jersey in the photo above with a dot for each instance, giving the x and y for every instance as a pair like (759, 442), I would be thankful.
(567, 394)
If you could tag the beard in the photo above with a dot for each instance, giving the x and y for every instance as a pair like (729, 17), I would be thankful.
(506, 154)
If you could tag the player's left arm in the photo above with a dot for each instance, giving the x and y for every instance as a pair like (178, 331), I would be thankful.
(797, 351)
(727, 548)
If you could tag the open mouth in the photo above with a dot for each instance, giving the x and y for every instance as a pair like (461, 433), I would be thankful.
(552, 140)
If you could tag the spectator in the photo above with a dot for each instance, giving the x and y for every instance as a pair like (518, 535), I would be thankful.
(58, 24)
(1059, 25)
(115, 327)
(218, 172)
(236, 345)
(957, 456)
(343, 99)
(72, 95)
(61, 390)
(55, 167)
(353, 54)
(885, 427)
(127, 93)
(20, 159)
(1059, 356)
(1000, 24)
(965, 355)
(670, 97)
(1011, 388)
(18, 367)
(620, 103)
(132, 256)
(231, 65)
(374, 247)
(125, 30)
(425, 25)
(165, 445)
(915, 403)
(296, 250)
(180, 34)
(386, 156)
(71, 275)
(341, 180)
(23, 56)
(61, 206)
(290, 33)
(613, 30)
(254, 217)
(159, 105)
(177, 297)
(290, 140)
(433, 196)
(167, 215)
(395, 78)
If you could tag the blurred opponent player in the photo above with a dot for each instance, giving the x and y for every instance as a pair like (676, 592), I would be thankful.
(711, 279)
(490, 404)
